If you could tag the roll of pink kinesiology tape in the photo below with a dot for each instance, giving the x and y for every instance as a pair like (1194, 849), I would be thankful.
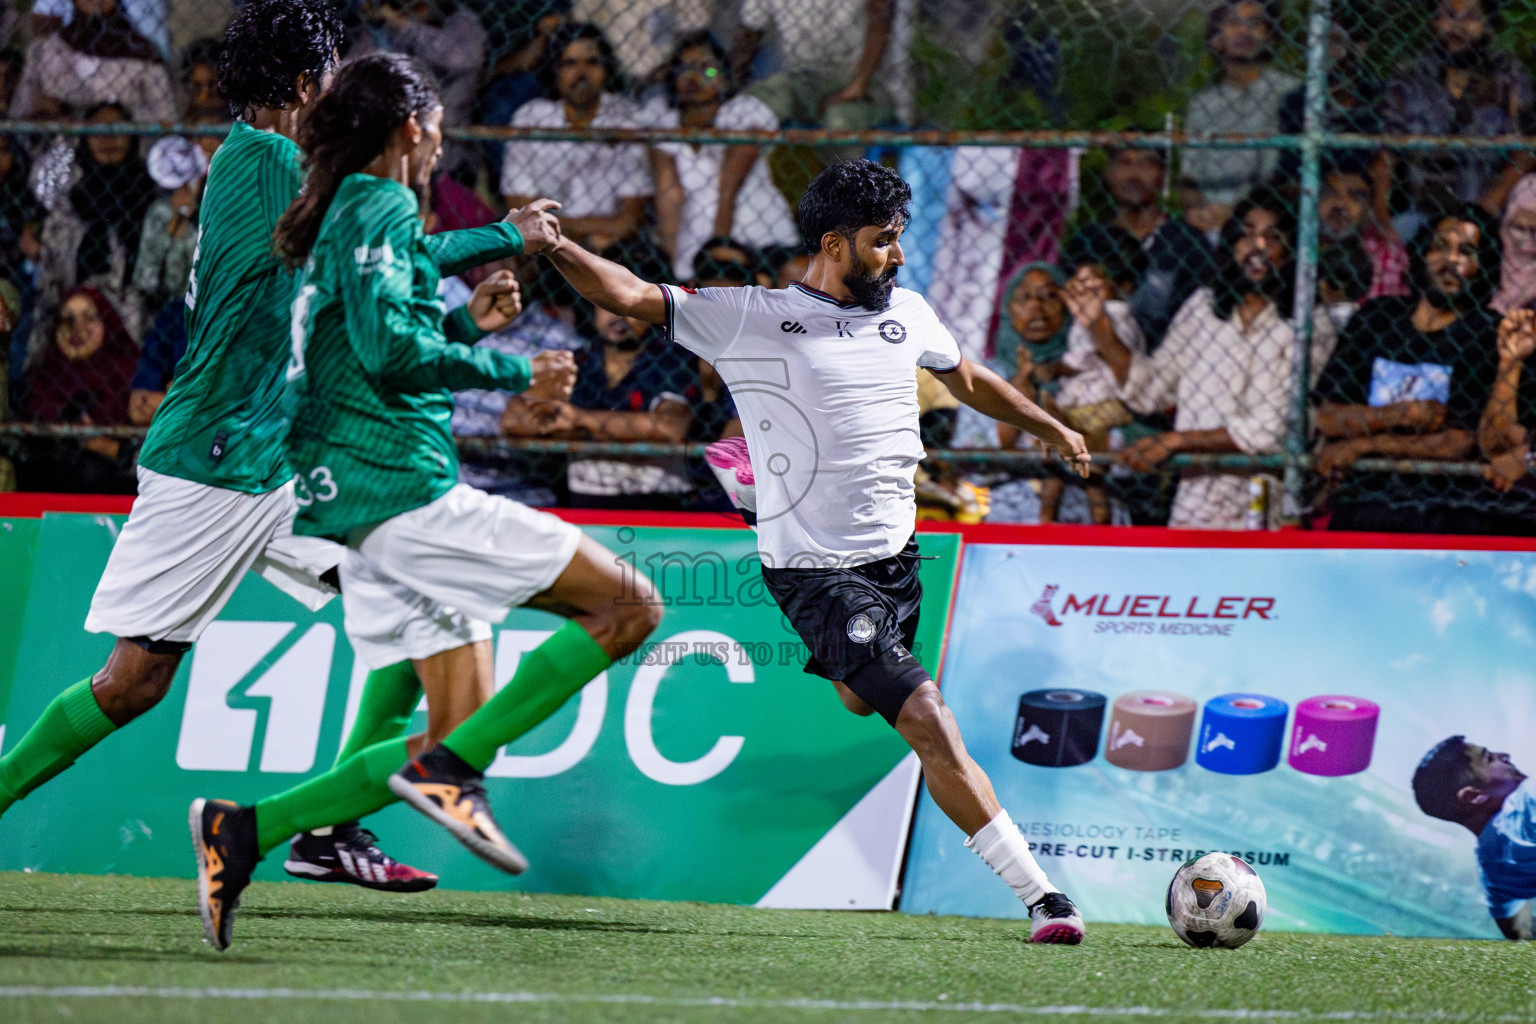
(1333, 735)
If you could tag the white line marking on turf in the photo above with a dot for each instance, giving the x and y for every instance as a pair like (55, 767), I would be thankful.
(715, 1002)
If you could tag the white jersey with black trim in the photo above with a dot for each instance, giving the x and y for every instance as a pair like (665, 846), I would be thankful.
(827, 395)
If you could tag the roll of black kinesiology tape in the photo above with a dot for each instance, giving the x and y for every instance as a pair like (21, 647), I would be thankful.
(1058, 728)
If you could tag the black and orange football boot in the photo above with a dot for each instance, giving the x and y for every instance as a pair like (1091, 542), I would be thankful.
(442, 786)
(224, 838)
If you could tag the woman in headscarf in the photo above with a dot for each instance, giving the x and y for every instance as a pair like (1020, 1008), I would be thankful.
(1033, 318)
(1517, 235)
(92, 235)
(98, 57)
(83, 377)
(1028, 347)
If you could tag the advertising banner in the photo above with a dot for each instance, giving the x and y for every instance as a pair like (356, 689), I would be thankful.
(18, 539)
(1136, 707)
(707, 767)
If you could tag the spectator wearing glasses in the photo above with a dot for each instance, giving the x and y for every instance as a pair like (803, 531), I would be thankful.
(713, 190)
(1517, 239)
(83, 378)
(602, 189)
(200, 82)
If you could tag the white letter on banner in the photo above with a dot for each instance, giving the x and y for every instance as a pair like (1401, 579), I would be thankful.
(511, 645)
(214, 736)
(642, 701)
(296, 685)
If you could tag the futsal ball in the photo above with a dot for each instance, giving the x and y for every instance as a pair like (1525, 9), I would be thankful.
(1216, 900)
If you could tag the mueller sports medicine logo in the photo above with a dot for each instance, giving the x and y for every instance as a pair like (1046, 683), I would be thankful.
(1196, 614)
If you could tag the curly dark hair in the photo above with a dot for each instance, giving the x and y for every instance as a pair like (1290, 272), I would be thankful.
(349, 126)
(1480, 287)
(1232, 284)
(847, 197)
(269, 46)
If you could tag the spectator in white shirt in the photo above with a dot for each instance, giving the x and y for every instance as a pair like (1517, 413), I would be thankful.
(98, 57)
(602, 189)
(1225, 366)
(1244, 100)
(710, 190)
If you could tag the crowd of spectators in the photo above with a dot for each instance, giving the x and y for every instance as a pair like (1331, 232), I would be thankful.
(1145, 295)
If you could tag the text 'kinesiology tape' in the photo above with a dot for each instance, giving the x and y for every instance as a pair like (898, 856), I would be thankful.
(1241, 733)
(1149, 731)
(1333, 735)
(1058, 728)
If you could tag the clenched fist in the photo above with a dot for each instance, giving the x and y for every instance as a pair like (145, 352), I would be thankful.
(496, 301)
(554, 375)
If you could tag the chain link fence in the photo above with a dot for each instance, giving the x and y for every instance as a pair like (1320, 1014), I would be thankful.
(1275, 260)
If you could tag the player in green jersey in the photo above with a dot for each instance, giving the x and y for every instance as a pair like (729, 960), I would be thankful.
(215, 491)
(370, 376)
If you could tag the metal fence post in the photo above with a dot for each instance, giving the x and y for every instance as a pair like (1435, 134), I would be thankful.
(1319, 24)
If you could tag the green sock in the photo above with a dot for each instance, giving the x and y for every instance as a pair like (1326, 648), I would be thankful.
(69, 726)
(356, 787)
(390, 696)
(546, 678)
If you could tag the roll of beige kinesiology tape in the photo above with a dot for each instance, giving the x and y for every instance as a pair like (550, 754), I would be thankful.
(1149, 730)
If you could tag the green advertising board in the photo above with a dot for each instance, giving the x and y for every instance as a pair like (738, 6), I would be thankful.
(706, 767)
(18, 540)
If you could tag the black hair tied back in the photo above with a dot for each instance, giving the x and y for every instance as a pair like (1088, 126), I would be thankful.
(349, 126)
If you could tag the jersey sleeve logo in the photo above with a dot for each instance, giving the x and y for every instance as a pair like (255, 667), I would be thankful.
(375, 259)
(893, 331)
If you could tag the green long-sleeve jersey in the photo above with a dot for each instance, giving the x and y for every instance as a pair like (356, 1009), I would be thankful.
(222, 422)
(371, 376)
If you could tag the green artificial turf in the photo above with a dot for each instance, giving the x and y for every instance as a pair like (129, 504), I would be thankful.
(555, 958)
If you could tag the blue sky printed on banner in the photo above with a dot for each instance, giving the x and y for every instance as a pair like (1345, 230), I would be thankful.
(1443, 641)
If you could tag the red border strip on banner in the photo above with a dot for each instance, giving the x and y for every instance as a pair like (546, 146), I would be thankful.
(30, 506)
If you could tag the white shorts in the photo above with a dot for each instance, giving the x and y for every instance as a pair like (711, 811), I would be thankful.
(387, 622)
(186, 547)
(473, 552)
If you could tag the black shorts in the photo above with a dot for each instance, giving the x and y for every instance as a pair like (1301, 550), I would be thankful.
(849, 617)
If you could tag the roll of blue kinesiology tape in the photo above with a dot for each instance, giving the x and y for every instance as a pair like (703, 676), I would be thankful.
(1241, 733)
(1058, 728)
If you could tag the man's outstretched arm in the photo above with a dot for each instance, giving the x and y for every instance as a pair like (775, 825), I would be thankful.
(609, 285)
(990, 395)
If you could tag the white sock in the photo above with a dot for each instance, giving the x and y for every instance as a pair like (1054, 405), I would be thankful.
(1005, 850)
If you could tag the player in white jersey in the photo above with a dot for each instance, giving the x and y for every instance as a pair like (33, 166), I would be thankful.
(823, 375)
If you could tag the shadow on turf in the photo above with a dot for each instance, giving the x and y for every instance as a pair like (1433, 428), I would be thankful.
(107, 954)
